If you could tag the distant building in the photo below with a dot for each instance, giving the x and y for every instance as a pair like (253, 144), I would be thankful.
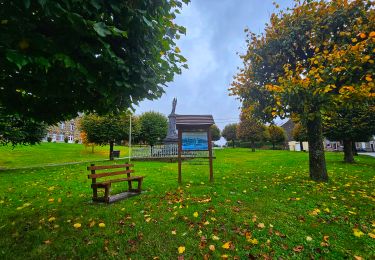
(67, 129)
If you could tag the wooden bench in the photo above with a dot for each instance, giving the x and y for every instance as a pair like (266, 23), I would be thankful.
(106, 183)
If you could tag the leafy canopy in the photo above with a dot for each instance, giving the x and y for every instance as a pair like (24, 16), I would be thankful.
(153, 127)
(63, 57)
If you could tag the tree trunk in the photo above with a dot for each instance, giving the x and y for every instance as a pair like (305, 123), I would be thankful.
(301, 145)
(252, 146)
(111, 150)
(233, 143)
(354, 148)
(348, 151)
(317, 161)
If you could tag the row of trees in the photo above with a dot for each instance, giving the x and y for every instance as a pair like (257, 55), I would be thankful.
(314, 62)
(148, 128)
(253, 130)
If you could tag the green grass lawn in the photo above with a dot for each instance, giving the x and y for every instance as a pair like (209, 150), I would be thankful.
(52, 153)
(261, 204)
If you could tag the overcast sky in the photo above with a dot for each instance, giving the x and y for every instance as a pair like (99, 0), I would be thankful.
(215, 33)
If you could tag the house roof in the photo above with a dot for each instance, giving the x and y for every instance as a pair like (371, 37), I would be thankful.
(194, 121)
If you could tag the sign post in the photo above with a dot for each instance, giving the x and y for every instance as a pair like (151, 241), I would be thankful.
(194, 135)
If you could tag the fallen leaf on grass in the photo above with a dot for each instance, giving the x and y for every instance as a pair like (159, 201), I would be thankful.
(212, 247)
(92, 223)
(308, 238)
(260, 225)
(51, 219)
(51, 200)
(356, 257)
(174, 232)
(101, 225)
(226, 245)
(253, 241)
(181, 249)
(215, 237)
(298, 249)
(357, 232)
(47, 242)
(77, 225)
(195, 214)
(148, 220)
(371, 235)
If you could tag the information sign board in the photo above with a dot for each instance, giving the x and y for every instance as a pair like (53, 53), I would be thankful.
(194, 141)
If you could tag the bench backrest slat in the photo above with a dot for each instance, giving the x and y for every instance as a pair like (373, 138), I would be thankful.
(104, 167)
(104, 174)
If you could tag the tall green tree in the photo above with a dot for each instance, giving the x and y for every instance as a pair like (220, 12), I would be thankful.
(276, 135)
(153, 127)
(108, 129)
(251, 129)
(215, 133)
(230, 133)
(63, 57)
(311, 59)
(349, 125)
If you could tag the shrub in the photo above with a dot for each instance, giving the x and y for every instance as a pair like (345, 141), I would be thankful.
(49, 139)
(76, 141)
(66, 139)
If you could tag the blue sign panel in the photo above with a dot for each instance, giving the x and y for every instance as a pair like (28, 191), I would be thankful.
(194, 141)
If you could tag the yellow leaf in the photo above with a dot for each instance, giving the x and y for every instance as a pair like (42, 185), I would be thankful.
(224, 257)
(92, 223)
(51, 200)
(59, 200)
(357, 232)
(308, 238)
(372, 34)
(148, 219)
(226, 245)
(77, 225)
(51, 219)
(215, 237)
(260, 225)
(102, 225)
(181, 249)
(174, 232)
(371, 235)
(212, 247)
(206, 223)
(253, 241)
(327, 210)
(195, 214)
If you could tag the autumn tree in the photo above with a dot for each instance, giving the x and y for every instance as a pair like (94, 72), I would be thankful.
(63, 57)
(215, 133)
(153, 127)
(299, 134)
(311, 59)
(250, 129)
(349, 125)
(276, 135)
(230, 133)
(103, 130)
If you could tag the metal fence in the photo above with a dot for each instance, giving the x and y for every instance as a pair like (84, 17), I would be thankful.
(164, 151)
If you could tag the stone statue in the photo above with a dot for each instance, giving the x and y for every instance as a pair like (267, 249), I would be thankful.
(172, 132)
(174, 103)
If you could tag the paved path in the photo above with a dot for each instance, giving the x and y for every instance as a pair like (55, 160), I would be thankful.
(370, 154)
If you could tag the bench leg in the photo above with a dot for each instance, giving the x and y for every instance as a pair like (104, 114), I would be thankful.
(130, 185)
(106, 193)
(139, 185)
(94, 193)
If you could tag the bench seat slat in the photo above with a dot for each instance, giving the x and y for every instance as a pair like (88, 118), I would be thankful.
(105, 183)
(103, 167)
(104, 174)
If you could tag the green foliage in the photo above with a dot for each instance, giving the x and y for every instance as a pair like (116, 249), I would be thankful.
(276, 135)
(230, 132)
(153, 127)
(215, 133)
(63, 57)
(251, 129)
(102, 130)
(17, 130)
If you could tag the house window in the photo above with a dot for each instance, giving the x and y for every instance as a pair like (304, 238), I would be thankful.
(61, 138)
(54, 137)
(62, 125)
(70, 138)
(71, 127)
